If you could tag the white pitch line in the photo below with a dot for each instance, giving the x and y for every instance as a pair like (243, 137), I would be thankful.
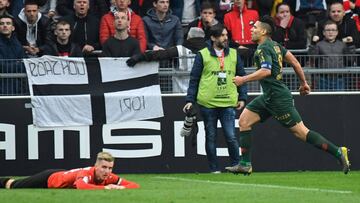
(256, 185)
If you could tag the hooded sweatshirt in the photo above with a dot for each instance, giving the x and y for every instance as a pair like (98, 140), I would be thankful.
(31, 34)
(31, 29)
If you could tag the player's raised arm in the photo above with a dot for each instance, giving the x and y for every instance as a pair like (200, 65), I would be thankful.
(304, 87)
(257, 75)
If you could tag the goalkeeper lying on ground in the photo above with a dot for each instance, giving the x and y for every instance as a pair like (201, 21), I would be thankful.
(99, 176)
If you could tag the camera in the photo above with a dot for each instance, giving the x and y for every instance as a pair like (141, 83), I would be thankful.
(189, 123)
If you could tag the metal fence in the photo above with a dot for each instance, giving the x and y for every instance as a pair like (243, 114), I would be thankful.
(323, 73)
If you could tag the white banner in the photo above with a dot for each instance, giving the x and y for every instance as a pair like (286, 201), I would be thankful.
(58, 70)
(137, 104)
(63, 95)
(74, 110)
(116, 69)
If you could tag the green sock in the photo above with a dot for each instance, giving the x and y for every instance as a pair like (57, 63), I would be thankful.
(322, 143)
(245, 144)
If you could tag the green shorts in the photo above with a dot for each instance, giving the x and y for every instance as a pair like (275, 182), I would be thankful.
(285, 113)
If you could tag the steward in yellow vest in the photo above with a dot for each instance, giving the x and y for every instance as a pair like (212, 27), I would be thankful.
(211, 86)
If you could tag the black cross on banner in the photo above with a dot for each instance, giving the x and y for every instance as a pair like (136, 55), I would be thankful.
(96, 88)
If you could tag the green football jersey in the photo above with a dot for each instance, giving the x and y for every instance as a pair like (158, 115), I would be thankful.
(270, 55)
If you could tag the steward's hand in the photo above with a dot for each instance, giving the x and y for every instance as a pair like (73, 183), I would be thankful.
(187, 107)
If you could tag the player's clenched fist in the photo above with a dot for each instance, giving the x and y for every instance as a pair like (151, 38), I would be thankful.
(304, 89)
(238, 80)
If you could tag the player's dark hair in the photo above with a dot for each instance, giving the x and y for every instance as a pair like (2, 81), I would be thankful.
(268, 24)
(216, 30)
(8, 16)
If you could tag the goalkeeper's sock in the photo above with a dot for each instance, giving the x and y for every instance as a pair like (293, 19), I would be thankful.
(322, 143)
(245, 144)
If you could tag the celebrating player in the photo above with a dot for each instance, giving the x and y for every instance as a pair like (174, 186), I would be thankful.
(99, 176)
(276, 100)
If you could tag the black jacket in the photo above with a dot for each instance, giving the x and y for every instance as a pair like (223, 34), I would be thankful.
(295, 34)
(193, 44)
(197, 23)
(50, 48)
(10, 48)
(97, 7)
(84, 30)
(141, 10)
(346, 28)
(43, 31)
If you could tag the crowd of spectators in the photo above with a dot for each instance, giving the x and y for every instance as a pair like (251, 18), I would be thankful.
(161, 24)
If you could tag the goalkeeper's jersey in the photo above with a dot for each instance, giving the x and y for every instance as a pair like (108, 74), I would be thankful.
(84, 178)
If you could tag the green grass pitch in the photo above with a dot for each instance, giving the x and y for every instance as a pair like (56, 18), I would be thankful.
(171, 188)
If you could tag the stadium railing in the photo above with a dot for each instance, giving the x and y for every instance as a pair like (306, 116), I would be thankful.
(13, 81)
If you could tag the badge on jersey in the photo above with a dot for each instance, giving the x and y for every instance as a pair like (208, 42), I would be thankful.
(221, 78)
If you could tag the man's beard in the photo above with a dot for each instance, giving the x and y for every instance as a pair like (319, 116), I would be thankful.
(222, 45)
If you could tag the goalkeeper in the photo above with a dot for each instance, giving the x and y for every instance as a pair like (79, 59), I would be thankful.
(99, 176)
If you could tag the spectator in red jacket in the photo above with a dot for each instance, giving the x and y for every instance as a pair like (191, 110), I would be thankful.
(238, 22)
(136, 28)
(99, 176)
(121, 44)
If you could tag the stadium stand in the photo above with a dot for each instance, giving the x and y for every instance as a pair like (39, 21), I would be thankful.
(350, 71)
